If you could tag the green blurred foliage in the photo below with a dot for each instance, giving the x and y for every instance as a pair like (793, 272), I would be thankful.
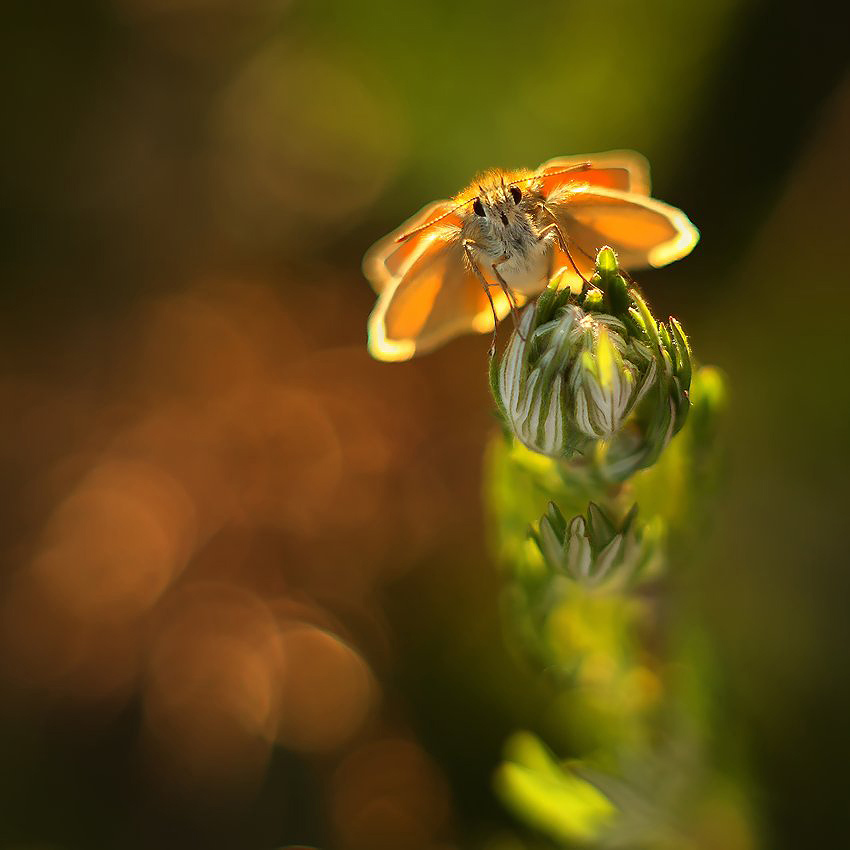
(561, 804)
(594, 606)
(500, 83)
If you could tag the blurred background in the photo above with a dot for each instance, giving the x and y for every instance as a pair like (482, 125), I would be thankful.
(245, 597)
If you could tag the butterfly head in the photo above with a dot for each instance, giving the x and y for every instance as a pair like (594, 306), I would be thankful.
(501, 213)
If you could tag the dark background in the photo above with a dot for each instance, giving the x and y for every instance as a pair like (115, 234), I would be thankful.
(246, 597)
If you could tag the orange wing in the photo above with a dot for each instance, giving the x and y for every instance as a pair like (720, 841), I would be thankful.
(644, 232)
(626, 171)
(437, 298)
(390, 257)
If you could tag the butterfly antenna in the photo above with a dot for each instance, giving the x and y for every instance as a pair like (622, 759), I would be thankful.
(579, 166)
(432, 221)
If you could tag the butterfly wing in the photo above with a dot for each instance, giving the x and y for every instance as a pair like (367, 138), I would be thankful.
(391, 256)
(626, 171)
(644, 232)
(437, 298)
(428, 293)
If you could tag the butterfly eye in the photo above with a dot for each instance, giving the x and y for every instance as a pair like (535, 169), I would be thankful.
(515, 194)
(478, 207)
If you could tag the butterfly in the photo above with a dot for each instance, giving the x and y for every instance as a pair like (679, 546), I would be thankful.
(460, 265)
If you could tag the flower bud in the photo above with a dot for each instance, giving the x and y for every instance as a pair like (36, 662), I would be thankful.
(594, 369)
(594, 551)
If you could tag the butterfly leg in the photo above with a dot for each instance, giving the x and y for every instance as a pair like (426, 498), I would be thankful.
(555, 228)
(467, 243)
(509, 293)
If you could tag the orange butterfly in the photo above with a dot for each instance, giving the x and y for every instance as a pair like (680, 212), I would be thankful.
(458, 265)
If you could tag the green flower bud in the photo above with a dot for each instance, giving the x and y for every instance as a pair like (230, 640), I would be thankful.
(594, 551)
(596, 369)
